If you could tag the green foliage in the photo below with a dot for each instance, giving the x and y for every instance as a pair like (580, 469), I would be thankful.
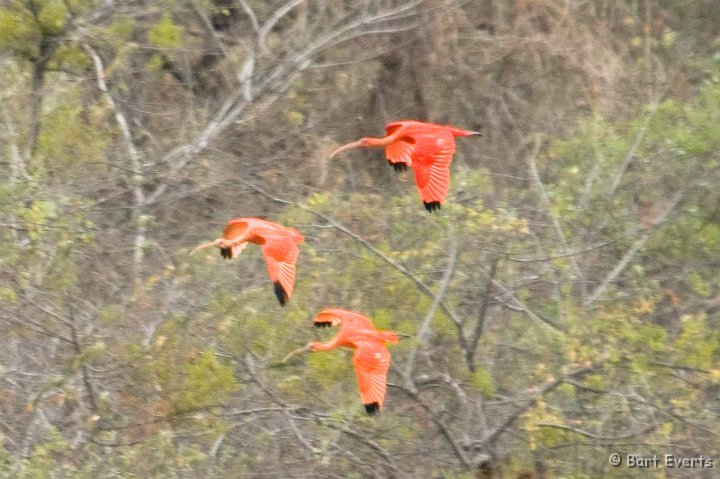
(15, 28)
(43, 459)
(166, 34)
(698, 345)
(208, 382)
(122, 27)
(52, 16)
(482, 381)
(328, 368)
(73, 134)
(71, 57)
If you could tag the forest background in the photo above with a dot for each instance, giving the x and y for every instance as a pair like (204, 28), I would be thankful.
(564, 304)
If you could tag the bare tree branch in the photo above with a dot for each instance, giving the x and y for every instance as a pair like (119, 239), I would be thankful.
(489, 439)
(251, 15)
(425, 326)
(274, 83)
(444, 430)
(274, 19)
(136, 179)
(632, 151)
(630, 253)
(548, 205)
(477, 333)
(595, 437)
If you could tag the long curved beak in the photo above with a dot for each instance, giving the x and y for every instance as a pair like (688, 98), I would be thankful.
(474, 133)
(349, 146)
(204, 245)
(304, 349)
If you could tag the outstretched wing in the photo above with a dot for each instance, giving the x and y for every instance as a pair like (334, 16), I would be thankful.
(432, 156)
(281, 252)
(372, 361)
(343, 318)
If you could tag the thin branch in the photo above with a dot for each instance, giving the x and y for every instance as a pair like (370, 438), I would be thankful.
(519, 305)
(493, 435)
(558, 256)
(425, 326)
(630, 253)
(274, 19)
(251, 14)
(631, 152)
(83, 367)
(250, 365)
(136, 179)
(477, 333)
(207, 25)
(387, 459)
(535, 175)
(596, 437)
(444, 430)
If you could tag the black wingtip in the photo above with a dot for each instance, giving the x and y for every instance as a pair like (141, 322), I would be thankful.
(372, 408)
(323, 324)
(432, 205)
(226, 253)
(399, 166)
(280, 293)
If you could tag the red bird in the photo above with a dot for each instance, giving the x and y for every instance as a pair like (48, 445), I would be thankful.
(371, 359)
(427, 147)
(279, 247)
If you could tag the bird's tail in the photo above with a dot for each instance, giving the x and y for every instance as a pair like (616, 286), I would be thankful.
(390, 337)
(296, 235)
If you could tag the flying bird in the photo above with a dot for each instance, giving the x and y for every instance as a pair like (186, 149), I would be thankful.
(426, 147)
(279, 247)
(371, 359)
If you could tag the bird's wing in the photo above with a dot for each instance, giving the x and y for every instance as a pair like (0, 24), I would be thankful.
(343, 318)
(234, 228)
(372, 361)
(400, 151)
(394, 126)
(281, 253)
(431, 161)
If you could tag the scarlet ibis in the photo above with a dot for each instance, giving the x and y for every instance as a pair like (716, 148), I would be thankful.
(427, 147)
(279, 247)
(371, 359)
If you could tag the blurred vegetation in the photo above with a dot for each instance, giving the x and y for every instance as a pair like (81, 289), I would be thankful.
(564, 304)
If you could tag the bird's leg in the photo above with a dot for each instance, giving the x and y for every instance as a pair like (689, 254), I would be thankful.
(305, 349)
